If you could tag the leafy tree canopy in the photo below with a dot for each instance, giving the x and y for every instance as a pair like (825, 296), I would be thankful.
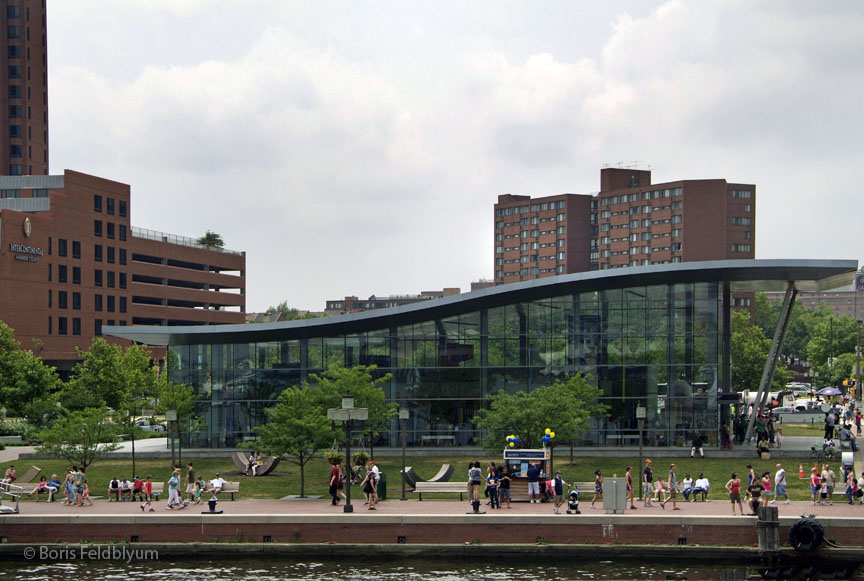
(289, 313)
(564, 406)
(24, 378)
(750, 349)
(82, 437)
(211, 239)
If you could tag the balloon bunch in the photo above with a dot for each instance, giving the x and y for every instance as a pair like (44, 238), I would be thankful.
(512, 440)
(547, 437)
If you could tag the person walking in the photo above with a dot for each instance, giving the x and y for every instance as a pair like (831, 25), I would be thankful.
(598, 487)
(629, 483)
(734, 488)
(780, 485)
(533, 475)
(647, 483)
(173, 491)
(190, 481)
(851, 486)
(815, 483)
(672, 486)
(335, 479)
(857, 422)
(148, 495)
(558, 485)
(828, 478)
(766, 487)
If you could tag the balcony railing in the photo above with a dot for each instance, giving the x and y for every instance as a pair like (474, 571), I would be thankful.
(180, 240)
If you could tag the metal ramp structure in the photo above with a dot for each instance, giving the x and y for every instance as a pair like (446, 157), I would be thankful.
(10, 493)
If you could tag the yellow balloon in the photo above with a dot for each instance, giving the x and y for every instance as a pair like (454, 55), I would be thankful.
(548, 430)
(551, 434)
(512, 444)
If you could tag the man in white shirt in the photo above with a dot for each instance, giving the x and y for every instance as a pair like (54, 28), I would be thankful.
(125, 490)
(780, 485)
(701, 485)
(216, 485)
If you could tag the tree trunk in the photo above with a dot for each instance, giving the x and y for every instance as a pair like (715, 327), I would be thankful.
(302, 479)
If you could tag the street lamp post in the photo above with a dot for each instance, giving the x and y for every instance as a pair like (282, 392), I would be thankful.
(640, 419)
(403, 417)
(346, 414)
(171, 418)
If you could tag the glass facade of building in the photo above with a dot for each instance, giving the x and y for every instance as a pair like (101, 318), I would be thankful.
(653, 346)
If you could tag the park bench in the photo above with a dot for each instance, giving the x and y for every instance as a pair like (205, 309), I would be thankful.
(231, 488)
(422, 488)
(158, 488)
(444, 475)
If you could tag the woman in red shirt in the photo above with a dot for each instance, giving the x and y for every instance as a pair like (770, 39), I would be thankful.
(734, 488)
(815, 484)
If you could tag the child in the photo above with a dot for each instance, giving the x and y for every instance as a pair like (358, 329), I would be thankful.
(492, 486)
(85, 496)
(199, 488)
(779, 438)
(148, 495)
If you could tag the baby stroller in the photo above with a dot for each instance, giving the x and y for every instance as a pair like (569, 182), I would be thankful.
(573, 502)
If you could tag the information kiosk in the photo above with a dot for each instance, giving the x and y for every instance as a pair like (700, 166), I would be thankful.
(517, 466)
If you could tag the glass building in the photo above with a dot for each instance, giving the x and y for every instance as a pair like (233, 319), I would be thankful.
(654, 336)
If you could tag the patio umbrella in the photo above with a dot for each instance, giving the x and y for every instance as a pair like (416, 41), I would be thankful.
(829, 391)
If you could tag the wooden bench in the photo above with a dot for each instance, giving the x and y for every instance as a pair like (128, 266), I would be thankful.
(158, 488)
(422, 488)
(231, 488)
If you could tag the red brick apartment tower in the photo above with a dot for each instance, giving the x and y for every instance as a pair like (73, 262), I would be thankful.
(641, 223)
(24, 96)
(70, 262)
(540, 237)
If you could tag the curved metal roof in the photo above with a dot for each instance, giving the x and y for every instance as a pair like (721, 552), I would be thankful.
(742, 275)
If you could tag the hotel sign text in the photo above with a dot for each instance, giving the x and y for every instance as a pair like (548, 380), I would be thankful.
(26, 253)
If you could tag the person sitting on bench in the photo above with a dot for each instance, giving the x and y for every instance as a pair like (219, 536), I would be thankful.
(216, 485)
(114, 489)
(846, 436)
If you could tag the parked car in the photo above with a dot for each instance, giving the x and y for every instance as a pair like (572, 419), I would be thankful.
(146, 425)
(799, 408)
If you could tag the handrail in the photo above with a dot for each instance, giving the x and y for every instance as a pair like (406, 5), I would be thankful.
(179, 240)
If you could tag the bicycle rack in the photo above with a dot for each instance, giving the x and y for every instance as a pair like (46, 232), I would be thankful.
(6, 491)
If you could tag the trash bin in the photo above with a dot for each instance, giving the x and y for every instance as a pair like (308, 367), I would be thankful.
(615, 495)
(382, 487)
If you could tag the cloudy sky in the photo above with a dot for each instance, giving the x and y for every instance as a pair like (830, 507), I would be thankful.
(357, 148)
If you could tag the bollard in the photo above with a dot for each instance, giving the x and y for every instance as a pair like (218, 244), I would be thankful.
(768, 530)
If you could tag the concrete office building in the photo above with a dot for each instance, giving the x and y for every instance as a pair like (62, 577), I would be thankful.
(24, 96)
(630, 222)
(70, 262)
(656, 336)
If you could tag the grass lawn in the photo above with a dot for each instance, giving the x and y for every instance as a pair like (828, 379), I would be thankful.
(286, 479)
(803, 430)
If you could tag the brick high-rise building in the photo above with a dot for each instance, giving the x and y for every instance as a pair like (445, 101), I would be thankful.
(24, 95)
(71, 262)
(630, 222)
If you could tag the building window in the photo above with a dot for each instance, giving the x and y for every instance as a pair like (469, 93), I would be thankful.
(76, 326)
(740, 220)
(110, 303)
(16, 150)
(49, 272)
(97, 327)
(122, 208)
(76, 249)
(109, 202)
(122, 232)
(110, 230)
(14, 72)
(97, 228)
(50, 298)
(62, 299)
(16, 131)
(742, 194)
(62, 273)
(10, 194)
(16, 169)
(122, 256)
(13, 32)
(62, 326)
(740, 302)
(122, 280)
(14, 51)
(97, 302)
(741, 248)
(13, 12)
(14, 91)
(61, 247)
(97, 203)
(41, 193)
(97, 277)
(110, 255)
(76, 275)
(110, 279)
(76, 301)
(748, 208)
(122, 304)
(97, 253)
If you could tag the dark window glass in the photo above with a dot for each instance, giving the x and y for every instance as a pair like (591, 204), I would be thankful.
(49, 326)
(110, 255)
(62, 299)
(16, 169)
(97, 228)
(109, 205)
(122, 256)
(76, 249)
(16, 150)
(76, 275)
(14, 91)
(61, 247)
(14, 72)
(97, 277)
(122, 232)
(13, 32)
(76, 301)
(16, 111)
(97, 327)
(76, 326)
(122, 209)
(13, 12)
(122, 323)
(110, 228)
(110, 303)
(122, 304)
(50, 298)
(110, 279)
(110, 321)
(122, 280)
(14, 51)
(49, 272)
(97, 302)
(97, 203)
(62, 273)
(16, 131)
(62, 325)
(97, 253)
(49, 245)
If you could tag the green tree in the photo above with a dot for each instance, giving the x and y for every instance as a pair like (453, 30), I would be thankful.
(565, 407)
(212, 240)
(24, 379)
(182, 399)
(750, 349)
(108, 376)
(289, 313)
(297, 428)
(831, 337)
(367, 390)
(82, 437)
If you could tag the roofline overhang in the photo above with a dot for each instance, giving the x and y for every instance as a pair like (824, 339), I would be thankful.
(742, 276)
